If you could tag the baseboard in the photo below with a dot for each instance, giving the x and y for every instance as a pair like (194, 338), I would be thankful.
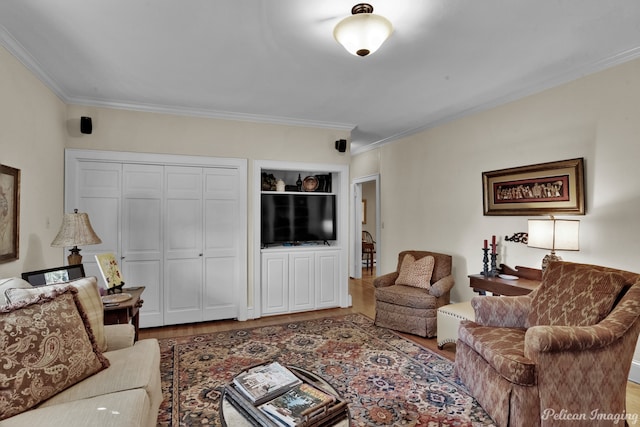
(634, 373)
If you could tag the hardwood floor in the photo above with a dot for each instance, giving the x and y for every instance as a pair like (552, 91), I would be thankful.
(363, 302)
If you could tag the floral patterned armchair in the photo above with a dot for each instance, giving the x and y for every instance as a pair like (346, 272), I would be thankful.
(562, 352)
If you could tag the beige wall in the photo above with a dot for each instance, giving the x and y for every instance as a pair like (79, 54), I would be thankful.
(431, 190)
(37, 127)
(32, 139)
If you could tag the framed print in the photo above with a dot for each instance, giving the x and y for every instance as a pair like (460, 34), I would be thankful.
(542, 189)
(110, 270)
(9, 213)
(364, 211)
(51, 276)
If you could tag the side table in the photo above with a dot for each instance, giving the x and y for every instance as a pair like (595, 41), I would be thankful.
(126, 311)
(528, 280)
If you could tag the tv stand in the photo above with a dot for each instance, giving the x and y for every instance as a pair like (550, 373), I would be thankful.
(304, 275)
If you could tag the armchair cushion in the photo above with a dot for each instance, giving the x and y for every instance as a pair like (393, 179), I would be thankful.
(406, 296)
(509, 312)
(574, 295)
(416, 273)
(502, 348)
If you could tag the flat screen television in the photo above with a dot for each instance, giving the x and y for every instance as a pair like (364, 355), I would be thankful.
(297, 218)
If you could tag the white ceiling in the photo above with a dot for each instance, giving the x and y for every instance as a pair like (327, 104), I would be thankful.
(276, 60)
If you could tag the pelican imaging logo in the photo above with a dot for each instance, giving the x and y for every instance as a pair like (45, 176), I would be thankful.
(595, 415)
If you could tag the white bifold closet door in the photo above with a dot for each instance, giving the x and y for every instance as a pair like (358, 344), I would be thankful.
(177, 230)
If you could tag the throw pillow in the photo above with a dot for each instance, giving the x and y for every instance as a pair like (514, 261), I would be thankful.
(13, 282)
(88, 294)
(574, 294)
(416, 273)
(46, 348)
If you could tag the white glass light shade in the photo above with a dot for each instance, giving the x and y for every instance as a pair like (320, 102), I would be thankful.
(363, 33)
(554, 234)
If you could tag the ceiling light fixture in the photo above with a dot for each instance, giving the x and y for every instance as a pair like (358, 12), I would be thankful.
(363, 32)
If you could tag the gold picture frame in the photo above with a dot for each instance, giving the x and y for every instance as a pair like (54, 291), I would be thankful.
(553, 188)
(9, 213)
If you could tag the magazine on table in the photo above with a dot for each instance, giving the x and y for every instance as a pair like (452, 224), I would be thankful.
(299, 405)
(264, 382)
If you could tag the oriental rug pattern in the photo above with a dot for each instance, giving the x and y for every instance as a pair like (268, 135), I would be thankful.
(387, 379)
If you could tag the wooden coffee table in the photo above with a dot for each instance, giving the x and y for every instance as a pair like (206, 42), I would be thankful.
(230, 416)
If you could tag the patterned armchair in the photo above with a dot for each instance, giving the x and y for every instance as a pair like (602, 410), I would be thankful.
(413, 309)
(564, 350)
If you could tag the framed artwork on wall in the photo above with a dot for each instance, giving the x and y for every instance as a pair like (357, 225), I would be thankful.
(364, 211)
(553, 188)
(9, 213)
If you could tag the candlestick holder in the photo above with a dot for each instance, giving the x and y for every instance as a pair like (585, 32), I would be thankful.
(494, 269)
(485, 262)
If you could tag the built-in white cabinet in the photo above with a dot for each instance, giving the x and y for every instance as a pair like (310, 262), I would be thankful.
(177, 225)
(300, 276)
(299, 280)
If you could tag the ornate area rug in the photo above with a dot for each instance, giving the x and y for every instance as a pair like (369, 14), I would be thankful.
(387, 379)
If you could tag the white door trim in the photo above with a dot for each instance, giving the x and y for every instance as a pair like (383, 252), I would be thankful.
(356, 226)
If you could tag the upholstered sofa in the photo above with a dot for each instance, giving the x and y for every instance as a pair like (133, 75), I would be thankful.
(63, 367)
(411, 307)
(559, 356)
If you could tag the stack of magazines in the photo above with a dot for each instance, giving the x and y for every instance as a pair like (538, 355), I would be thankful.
(271, 395)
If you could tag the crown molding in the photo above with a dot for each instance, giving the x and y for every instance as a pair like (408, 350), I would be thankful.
(205, 113)
(562, 78)
(22, 54)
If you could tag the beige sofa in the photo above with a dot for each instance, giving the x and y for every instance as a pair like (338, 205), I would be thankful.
(126, 393)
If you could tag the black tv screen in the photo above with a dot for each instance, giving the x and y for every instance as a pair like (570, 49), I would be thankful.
(298, 218)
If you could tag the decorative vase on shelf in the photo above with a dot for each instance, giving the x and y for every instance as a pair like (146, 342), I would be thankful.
(280, 185)
(299, 183)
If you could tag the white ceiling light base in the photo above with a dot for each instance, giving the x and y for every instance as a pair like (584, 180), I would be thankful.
(363, 32)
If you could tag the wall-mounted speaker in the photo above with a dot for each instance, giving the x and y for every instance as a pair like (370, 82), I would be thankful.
(341, 145)
(85, 125)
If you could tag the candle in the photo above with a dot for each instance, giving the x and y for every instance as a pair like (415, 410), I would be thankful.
(485, 244)
(493, 244)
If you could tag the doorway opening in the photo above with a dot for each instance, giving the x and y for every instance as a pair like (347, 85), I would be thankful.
(365, 226)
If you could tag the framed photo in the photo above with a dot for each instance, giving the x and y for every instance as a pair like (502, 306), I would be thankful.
(9, 213)
(364, 211)
(543, 189)
(110, 270)
(51, 276)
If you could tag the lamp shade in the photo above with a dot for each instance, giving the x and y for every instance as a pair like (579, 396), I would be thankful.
(363, 32)
(554, 234)
(75, 230)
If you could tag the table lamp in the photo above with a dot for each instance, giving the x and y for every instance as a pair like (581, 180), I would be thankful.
(554, 234)
(75, 230)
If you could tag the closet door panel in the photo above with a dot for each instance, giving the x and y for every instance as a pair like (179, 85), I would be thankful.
(183, 245)
(221, 243)
(220, 296)
(142, 236)
(183, 291)
(98, 193)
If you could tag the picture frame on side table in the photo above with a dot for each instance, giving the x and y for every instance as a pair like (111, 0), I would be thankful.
(553, 188)
(9, 213)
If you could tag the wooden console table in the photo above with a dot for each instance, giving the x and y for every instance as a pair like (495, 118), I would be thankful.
(126, 311)
(528, 280)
